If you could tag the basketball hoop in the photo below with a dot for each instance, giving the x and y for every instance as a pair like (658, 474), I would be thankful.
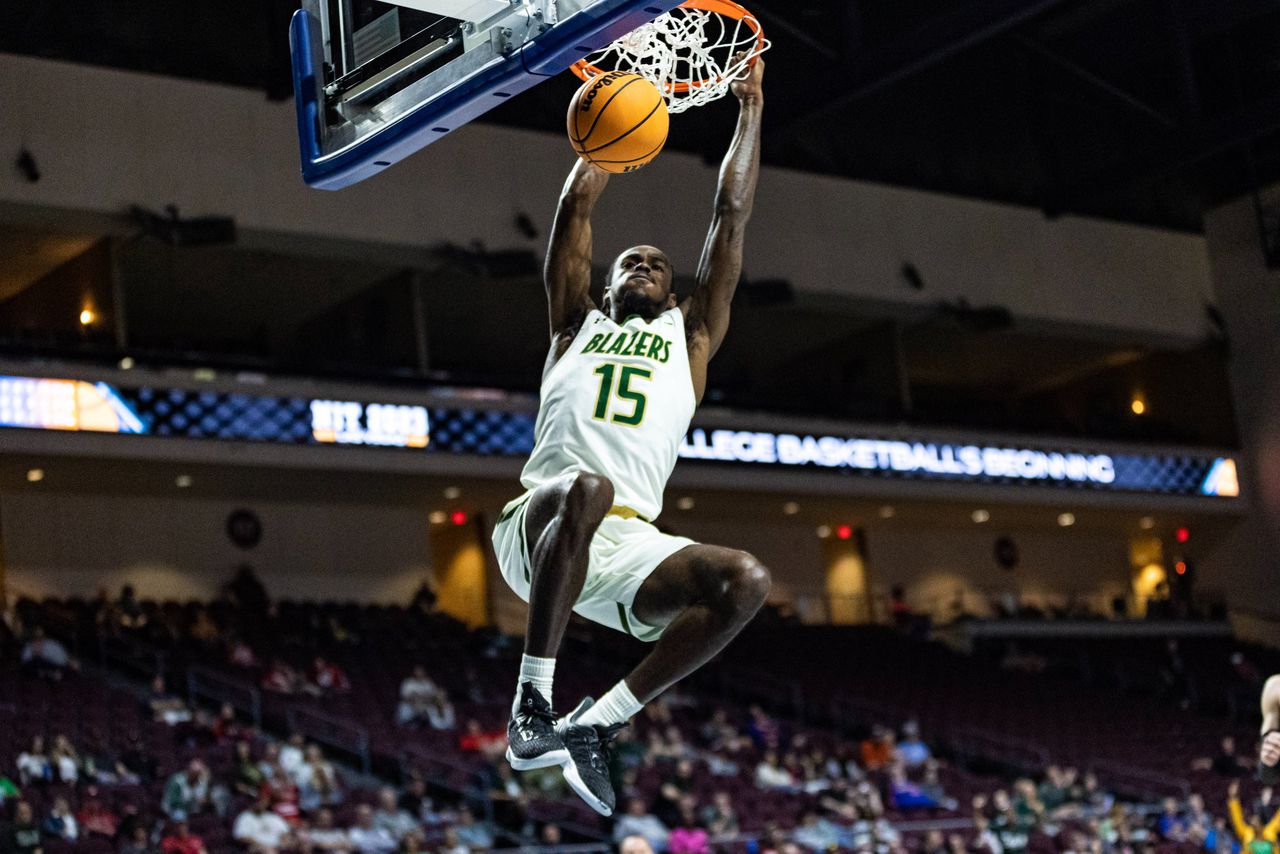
(687, 53)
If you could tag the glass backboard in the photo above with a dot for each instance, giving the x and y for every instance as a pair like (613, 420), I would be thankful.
(375, 81)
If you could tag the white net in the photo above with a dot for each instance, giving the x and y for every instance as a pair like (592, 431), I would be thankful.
(691, 55)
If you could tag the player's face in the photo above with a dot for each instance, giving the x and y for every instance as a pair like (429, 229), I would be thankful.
(640, 282)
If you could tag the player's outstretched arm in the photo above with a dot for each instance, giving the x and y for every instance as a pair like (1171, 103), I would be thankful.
(1269, 756)
(707, 309)
(568, 271)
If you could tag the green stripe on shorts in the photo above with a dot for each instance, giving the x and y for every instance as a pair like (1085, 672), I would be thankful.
(626, 624)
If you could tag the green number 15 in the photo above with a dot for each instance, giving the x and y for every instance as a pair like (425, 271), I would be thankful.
(623, 373)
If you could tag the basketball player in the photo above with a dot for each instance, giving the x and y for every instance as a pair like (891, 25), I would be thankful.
(1269, 756)
(619, 388)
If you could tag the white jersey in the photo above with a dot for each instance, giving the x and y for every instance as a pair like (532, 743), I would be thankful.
(618, 404)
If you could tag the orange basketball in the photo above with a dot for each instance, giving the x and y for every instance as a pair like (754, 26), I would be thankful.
(618, 121)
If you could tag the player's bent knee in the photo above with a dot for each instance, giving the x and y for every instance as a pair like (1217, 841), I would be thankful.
(749, 582)
(589, 495)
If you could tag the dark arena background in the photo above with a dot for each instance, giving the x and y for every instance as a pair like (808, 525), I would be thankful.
(999, 410)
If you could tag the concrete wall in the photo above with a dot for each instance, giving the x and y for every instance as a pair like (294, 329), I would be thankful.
(1246, 565)
(71, 545)
(106, 139)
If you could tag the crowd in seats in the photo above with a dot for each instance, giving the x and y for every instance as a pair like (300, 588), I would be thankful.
(697, 771)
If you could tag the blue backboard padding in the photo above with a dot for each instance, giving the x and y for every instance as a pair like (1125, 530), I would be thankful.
(549, 54)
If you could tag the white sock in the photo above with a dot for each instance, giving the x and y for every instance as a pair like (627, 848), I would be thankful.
(617, 706)
(539, 671)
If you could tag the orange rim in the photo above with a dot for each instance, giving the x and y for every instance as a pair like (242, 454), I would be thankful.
(727, 8)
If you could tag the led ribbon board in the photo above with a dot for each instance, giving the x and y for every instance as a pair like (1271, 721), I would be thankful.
(78, 405)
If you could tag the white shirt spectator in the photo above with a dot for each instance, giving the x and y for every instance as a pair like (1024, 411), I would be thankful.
(372, 840)
(330, 839)
(773, 777)
(34, 766)
(291, 758)
(68, 771)
(260, 827)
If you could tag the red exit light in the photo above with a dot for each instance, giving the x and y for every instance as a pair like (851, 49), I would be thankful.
(844, 532)
(1182, 535)
(458, 517)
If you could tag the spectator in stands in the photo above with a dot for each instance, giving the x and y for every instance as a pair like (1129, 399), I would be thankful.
(187, 792)
(248, 593)
(1225, 763)
(672, 791)
(293, 754)
(771, 775)
(1026, 801)
(324, 836)
(637, 821)
(240, 654)
(719, 817)
(226, 726)
(22, 836)
(933, 843)
(180, 840)
(390, 817)
(913, 752)
(474, 834)
(128, 610)
(369, 838)
(1254, 836)
(906, 795)
(877, 751)
(282, 793)
(489, 743)
(414, 799)
(137, 842)
(204, 631)
(46, 657)
(416, 694)
(246, 777)
(1171, 825)
(34, 765)
(763, 730)
(8, 790)
(282, 679)
(451, 844)
(94, 817)
(261, 830)
(424, 599)
(635, 844)
(66, 761)
(328, 677)
(60, 823)
(164, 705)
(317, 781)
(817, 834)
(688, 836)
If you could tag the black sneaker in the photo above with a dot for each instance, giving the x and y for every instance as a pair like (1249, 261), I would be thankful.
(587, 771)
(532, 740)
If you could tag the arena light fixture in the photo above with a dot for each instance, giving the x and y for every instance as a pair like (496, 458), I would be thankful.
(824, 531)
(35, 475)
(1066, 520)
(887, 512)
(980, 516)
(1146, 523)
(1138, 406)
(685, 503)
(86, 317)
(437, 517)
(127, 363)
(452, 493)
(791, 508)
(183, 481)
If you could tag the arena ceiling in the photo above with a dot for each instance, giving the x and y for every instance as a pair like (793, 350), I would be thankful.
(1139, 110)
